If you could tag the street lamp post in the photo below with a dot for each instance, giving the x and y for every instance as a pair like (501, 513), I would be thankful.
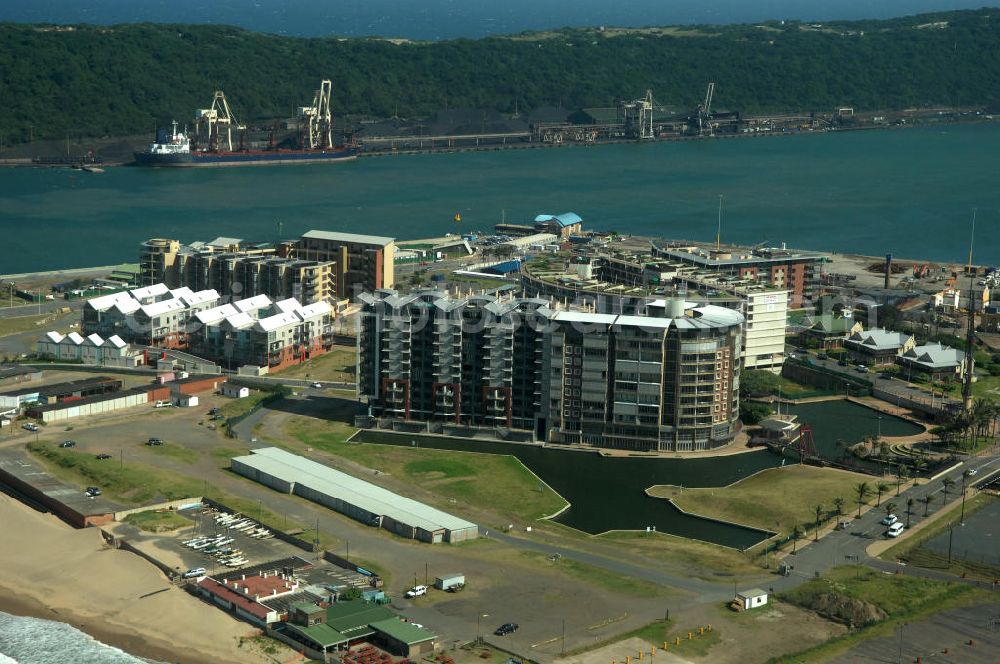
(479, 632)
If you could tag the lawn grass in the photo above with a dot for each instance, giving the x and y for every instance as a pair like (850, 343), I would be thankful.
(338, 365)
(224, 454)
(485, 481)
(598, 576)
(19, 324)
(699, 559)
(177, 452)
(133, 483)
(157, 522)
(905, 599)
(776, 499)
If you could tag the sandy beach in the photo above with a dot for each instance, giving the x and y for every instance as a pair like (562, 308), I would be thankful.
(50, 570)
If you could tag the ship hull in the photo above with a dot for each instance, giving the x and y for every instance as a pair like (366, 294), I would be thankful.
(248, 158)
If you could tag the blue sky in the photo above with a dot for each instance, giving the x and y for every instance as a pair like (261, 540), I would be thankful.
(446, 19)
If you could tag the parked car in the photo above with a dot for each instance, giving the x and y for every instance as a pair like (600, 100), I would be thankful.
(889, 519)
(191, 573)
(154, 441)
(318, 385)
(506, 628)
(30, 426)
(895, 530)
(68, 443)
(973, 471)
(842, 363)
(861, 368)
(102, 457)
(92, 491)
(416, 591)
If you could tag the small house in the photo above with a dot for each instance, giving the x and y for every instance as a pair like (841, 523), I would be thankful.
(750, 599)
(235, 391)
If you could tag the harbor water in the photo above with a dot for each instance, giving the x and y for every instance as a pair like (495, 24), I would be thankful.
(909, 192)
(608, 493)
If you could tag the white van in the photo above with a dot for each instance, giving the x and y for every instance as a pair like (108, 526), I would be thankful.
(895, 530)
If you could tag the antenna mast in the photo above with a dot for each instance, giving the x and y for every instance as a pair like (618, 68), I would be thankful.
(718, 230)
(970, 332)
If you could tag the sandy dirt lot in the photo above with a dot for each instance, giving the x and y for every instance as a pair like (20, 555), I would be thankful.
(112, 594)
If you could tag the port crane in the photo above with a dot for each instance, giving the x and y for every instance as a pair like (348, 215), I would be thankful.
(637, 117)
(703, 116)
(219, 122)
(317, 120)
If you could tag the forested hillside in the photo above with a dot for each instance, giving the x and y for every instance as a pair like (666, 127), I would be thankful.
(94, 81)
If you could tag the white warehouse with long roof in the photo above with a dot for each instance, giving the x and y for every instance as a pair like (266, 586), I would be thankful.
(366, 502)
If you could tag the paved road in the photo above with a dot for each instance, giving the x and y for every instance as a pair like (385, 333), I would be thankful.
(896, 387)
(849, 546)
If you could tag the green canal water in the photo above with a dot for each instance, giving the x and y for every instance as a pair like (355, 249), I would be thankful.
(909, 192)
(607, 493)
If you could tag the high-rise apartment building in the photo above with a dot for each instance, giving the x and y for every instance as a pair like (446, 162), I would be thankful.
(320, 266)
(665, 383)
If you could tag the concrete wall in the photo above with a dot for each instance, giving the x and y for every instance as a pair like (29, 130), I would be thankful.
(171, 505)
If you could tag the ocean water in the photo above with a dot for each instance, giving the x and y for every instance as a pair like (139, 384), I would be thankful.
(26, 640)
(449, 19)
(908, 192)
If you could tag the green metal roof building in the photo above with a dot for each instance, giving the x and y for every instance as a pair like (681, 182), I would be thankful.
(350, 623)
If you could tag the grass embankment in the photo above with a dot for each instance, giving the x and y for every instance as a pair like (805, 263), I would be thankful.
(912, 551)
(776, 499)
(157, 522)
(483, 481)
(238, 407)
(339, 365)
(699, 559)
(597, 576)
(133, 483)
(903, 598)
(663, 632)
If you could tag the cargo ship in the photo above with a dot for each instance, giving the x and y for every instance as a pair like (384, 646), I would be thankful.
(173, 148)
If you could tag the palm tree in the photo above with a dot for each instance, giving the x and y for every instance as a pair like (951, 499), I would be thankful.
(796, 534)
(901, 472)
(909, 509)
(927, 500)
(966, 474)
(819, 515)
(881, 488)
(946, 483)
(838, 503)
(890, 508)
(863, 491)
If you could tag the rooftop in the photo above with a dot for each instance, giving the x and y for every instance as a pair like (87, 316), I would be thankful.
(564, 219)
(405, 632)
(935, 356)
(879, 339)
(220, 590)
(321, 634)
(348, 238)
(367, 496)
